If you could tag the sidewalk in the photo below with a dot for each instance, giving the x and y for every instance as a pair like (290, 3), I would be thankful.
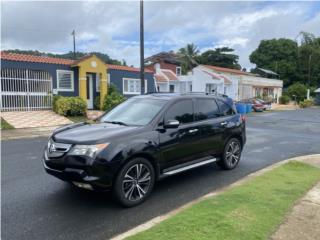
(304, 220)
(27, 132)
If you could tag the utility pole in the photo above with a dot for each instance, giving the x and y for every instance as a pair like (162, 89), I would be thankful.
(309, 77)
(74, 44)
(141, 48)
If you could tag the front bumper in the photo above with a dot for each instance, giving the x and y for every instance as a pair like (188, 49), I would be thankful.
(99, 180)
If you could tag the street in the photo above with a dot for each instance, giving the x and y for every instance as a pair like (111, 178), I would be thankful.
(36, 206)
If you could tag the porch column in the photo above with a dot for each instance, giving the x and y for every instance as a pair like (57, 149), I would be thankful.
(82, 84)
(103, 87)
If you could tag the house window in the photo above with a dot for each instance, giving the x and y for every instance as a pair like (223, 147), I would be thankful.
(133, 86)
(171, 88)
(178, 71)
(65, 80)
(225, 90)
(211, 88)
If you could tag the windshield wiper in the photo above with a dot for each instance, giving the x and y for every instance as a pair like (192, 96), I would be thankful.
(116, 122)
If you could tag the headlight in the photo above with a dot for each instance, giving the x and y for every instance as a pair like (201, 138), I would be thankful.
(87, 150)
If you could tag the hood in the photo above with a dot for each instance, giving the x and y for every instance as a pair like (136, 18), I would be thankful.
(92, 133)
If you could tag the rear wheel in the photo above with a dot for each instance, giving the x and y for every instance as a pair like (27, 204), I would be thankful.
(231, 154)
(134, 182)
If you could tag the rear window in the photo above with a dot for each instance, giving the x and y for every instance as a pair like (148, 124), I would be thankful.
(181, 111)
(225, 108)
(206, 109)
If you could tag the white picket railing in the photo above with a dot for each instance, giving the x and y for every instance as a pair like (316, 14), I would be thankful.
(25, 90)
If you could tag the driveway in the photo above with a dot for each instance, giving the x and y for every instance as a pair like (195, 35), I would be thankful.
(38, 206)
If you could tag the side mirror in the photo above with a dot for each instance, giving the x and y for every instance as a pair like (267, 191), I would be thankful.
(172, 124)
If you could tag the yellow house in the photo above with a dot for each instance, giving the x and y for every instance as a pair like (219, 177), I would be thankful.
(89, 68)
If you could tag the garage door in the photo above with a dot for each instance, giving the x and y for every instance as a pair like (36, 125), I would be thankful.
(25, 90)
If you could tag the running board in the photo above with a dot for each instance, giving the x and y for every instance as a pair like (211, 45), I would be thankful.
(195, 165)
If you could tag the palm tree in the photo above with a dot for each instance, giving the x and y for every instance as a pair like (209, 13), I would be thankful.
(188, 56)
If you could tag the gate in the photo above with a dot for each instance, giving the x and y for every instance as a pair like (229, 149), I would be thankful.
(25, 90)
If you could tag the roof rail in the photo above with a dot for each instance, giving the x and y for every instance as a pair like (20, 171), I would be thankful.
(190, 93)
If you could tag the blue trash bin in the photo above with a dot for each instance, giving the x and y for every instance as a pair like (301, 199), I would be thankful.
(241, 108)
(248, 107)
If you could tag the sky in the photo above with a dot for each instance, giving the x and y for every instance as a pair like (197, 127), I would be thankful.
(112, 27)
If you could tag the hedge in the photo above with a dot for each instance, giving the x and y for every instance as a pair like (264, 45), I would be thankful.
(112, 99)
(69, 106)
(284, 99)
(306, 103)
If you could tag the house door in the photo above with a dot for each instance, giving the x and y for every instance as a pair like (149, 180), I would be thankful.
(89, 91)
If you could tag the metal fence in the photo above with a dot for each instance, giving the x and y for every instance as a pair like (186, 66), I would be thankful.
(25, 90)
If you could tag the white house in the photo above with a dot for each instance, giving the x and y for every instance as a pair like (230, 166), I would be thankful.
(236, 84)
(205, 79)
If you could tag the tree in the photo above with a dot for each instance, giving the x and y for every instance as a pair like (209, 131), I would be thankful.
(297, 91)
(221, 57)
(188, 56)
(309, 59)
(280, 56)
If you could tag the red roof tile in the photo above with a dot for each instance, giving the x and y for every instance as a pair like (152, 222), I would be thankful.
(226, 80)
(126, 68)
(212, 74)
(35, 59)
(169, 74)
(160, 78)
(227, 70)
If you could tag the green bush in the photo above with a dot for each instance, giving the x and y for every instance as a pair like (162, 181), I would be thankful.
(284, 99)
(297, 92)
(54, 102)
(306, 103)
(112, 99)
(70, 106)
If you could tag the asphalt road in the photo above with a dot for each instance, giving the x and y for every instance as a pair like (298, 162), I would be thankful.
(38, 206)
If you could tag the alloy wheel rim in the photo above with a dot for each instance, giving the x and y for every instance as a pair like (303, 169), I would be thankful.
(136, 182)
(233, 153)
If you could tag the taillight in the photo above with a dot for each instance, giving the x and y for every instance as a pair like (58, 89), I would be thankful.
(243, 118)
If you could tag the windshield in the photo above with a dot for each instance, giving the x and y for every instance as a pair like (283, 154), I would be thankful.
(134, 112)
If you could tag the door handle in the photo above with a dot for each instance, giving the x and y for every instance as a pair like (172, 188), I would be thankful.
(223, 123)
(193, 130)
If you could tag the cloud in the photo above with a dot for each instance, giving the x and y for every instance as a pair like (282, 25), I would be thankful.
(113, 27)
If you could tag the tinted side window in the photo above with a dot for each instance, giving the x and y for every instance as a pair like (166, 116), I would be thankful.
(206, 109)
(181, 111)
(225, 108)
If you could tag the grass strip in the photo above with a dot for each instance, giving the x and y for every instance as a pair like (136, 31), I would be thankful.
(250, 211)
(5, 125)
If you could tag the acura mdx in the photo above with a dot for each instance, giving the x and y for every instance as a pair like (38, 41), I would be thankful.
(144, 139)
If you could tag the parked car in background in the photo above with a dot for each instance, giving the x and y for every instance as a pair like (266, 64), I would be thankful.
(266, 104)
(144, 139)
(256, 105)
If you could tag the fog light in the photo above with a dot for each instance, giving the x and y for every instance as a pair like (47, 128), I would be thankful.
(83, 185)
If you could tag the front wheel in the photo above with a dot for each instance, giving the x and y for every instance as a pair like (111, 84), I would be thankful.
(134, 182)
(231, 154)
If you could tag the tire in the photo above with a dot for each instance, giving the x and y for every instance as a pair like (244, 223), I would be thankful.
(134, 182)
(231, 154)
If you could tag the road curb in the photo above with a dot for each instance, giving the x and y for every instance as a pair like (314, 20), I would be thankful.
(310, 159)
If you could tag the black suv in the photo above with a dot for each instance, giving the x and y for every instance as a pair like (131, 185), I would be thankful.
(144, 139)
